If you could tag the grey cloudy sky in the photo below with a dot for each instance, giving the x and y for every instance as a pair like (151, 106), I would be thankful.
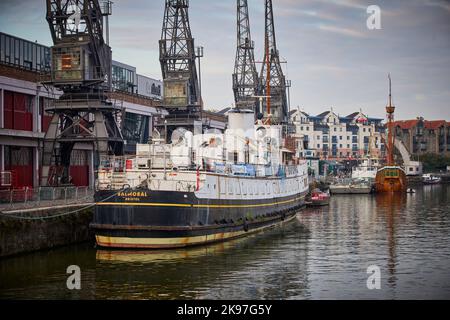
(333, 59)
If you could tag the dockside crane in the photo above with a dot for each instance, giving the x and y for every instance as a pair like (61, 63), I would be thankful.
(272, 79)
(177, 55)
(81, 69)
(245, 76)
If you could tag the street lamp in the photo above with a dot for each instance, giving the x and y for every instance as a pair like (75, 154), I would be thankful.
(199, 55)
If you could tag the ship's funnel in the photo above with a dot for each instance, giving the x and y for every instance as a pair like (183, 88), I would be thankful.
(241, 122)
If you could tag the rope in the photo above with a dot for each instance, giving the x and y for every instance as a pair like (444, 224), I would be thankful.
(61, 214)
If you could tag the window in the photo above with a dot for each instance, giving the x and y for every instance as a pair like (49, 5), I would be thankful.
(18, 111)
(2, 47)
(123, 79)
(136, 129)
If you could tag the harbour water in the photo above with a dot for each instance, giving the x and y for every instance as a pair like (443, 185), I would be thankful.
(323, 254)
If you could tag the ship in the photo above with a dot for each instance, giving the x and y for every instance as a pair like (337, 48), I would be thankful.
(391, 177)
(199, 188)
(351, 186)
(366, 170)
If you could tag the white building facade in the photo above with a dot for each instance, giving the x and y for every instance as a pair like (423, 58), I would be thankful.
(330, 136)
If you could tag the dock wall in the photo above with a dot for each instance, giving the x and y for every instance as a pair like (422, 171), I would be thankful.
(29, 230)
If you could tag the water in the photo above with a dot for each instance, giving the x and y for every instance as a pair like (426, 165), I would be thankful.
(323, 254)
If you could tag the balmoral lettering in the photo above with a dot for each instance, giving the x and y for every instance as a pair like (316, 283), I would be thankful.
(137, 194)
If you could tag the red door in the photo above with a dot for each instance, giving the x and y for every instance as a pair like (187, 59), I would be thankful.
(80, 175)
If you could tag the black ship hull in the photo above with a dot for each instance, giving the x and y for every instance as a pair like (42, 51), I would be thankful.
(167, 219)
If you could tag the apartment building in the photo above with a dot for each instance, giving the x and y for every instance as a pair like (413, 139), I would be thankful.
(421, 136)
(332, 136)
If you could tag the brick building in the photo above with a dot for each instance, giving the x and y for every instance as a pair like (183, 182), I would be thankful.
(421, 136)
(23, 120)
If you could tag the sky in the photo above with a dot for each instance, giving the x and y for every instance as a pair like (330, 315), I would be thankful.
(333, 59)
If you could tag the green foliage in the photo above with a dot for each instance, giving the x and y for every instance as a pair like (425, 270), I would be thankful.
(434, 162)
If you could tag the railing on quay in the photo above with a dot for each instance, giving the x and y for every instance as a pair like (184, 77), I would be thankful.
(44, 197)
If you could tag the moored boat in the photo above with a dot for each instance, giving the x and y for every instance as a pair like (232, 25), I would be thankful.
(366, 170)
(168, 196)
(390, 178)
(431, 179)
(351, 187)
(319, 198)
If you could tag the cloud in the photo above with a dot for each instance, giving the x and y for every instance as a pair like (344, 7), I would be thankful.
(440, 4)
(333, 60)
(342, 31)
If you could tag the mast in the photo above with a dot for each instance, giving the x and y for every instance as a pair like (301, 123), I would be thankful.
(390, 109)
(272, 79)
(267, 84)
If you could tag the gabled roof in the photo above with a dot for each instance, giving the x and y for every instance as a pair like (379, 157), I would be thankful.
(406, 124)
(434, 124)
(409, 124)
(351, 116)
(323, 114)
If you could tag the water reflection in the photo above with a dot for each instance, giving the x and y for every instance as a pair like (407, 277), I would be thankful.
(257, 267)
(390, 206)
(323, 254)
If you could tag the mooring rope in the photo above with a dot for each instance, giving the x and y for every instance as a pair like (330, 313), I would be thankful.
(6, 215)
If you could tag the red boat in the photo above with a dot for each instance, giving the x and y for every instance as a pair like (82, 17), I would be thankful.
(319, 198)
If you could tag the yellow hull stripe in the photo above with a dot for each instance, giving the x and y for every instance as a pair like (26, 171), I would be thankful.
(105, 241)
(140, 204)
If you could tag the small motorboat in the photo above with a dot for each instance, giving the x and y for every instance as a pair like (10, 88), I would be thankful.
(410, 191)
(319, 198)
(430, 179)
